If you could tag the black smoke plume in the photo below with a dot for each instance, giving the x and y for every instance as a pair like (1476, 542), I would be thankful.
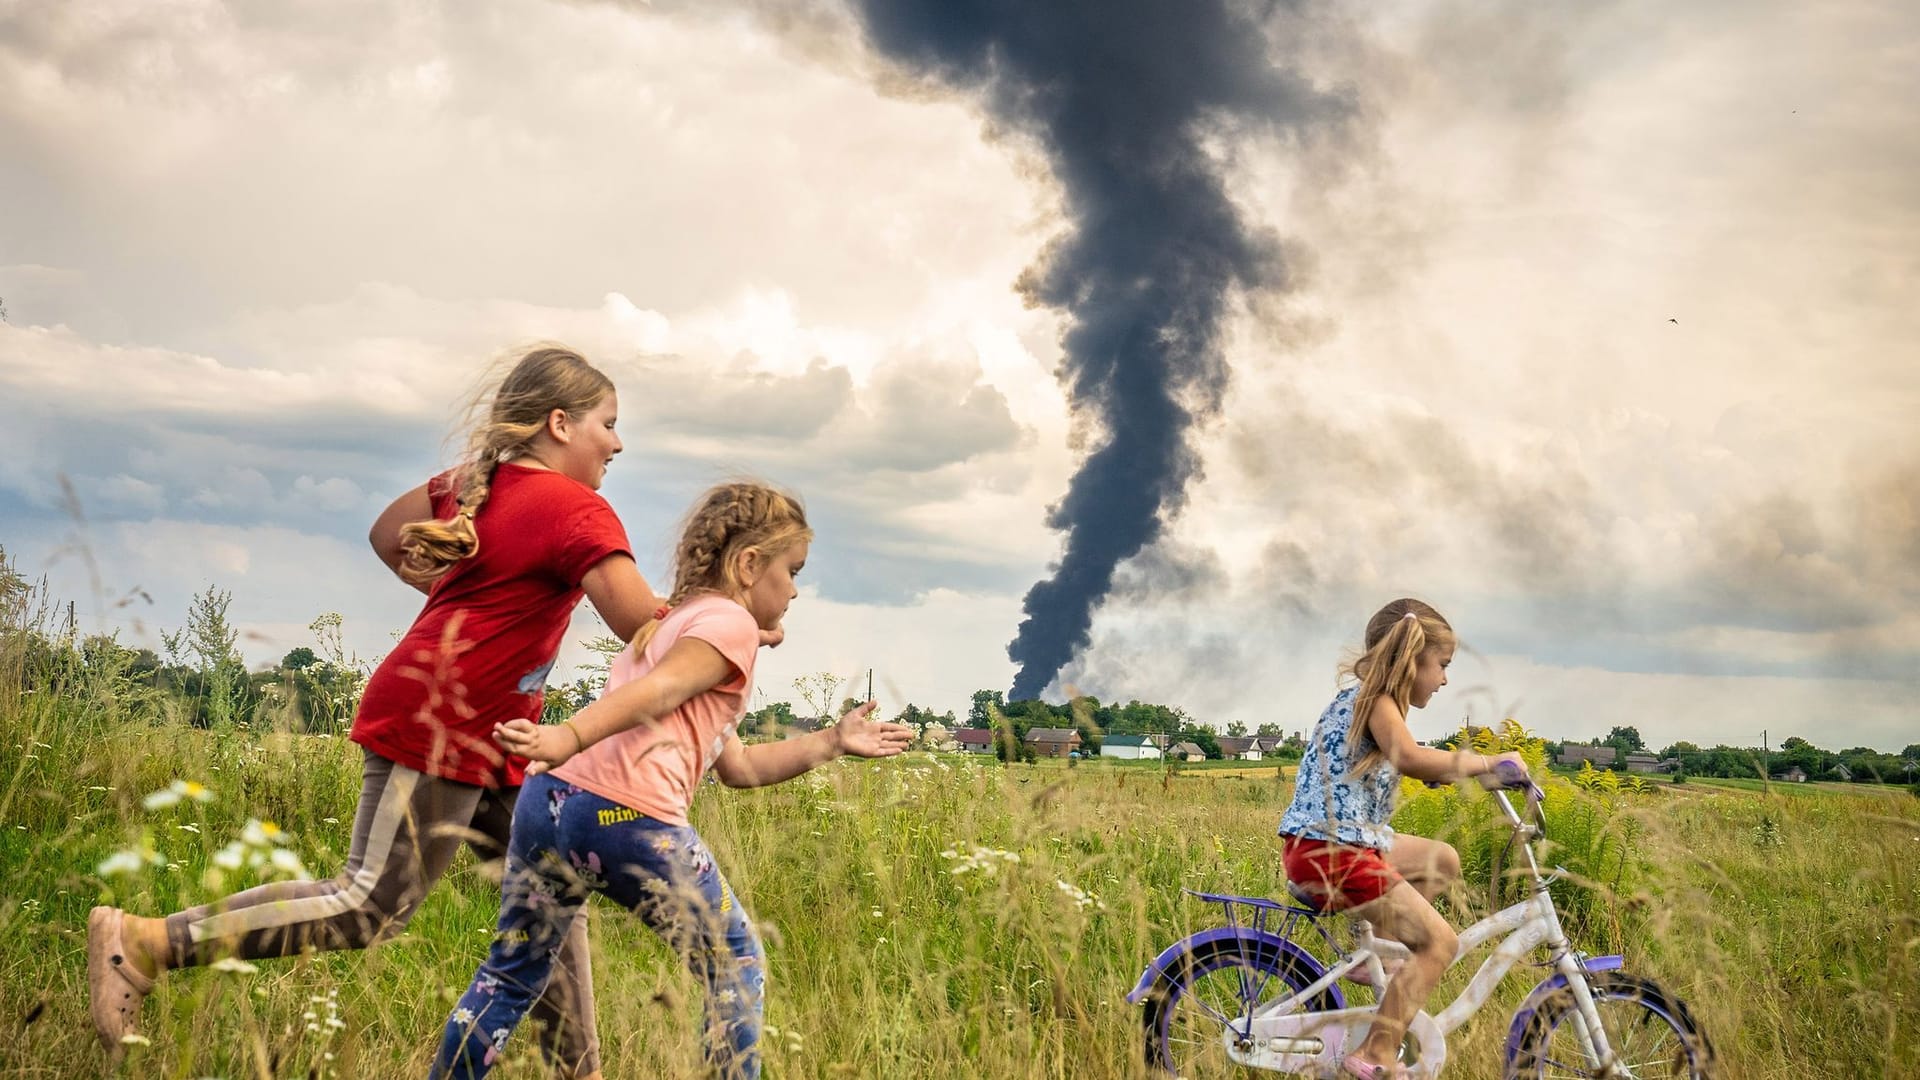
(1127, 98)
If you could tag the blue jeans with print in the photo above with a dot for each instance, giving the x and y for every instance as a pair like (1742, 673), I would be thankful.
(567, 842)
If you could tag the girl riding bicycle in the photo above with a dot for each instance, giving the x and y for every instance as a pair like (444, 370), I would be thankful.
(1336, 842)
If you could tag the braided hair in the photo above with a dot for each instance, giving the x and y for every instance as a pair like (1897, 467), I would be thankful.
(548, 377)
(731, 518)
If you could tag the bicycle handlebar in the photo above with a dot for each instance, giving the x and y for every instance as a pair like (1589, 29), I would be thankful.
(1513, 777)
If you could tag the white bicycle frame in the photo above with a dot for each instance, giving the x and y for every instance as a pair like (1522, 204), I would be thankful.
(1282, 1037)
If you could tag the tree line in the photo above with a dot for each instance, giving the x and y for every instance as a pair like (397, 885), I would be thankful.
(198, 677)
(1856, 764)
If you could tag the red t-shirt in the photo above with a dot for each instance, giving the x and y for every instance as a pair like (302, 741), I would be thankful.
(480, 650)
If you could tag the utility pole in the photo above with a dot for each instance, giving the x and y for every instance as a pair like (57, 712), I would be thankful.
(1766, 765)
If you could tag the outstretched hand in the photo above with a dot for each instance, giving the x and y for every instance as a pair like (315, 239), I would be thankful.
(546, 745)
(866, 738)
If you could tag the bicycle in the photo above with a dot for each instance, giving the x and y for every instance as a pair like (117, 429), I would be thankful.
(1248, 993)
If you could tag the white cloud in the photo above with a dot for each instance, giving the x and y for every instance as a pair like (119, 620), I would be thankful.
(244, 329)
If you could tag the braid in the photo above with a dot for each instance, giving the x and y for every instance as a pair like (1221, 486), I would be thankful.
(545, 379)
(729, 519)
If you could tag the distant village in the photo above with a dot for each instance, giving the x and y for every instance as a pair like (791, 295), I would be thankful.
(1137, 731)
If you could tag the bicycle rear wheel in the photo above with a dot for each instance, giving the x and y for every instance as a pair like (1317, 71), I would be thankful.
(1204, 1003)
(1651, 1032)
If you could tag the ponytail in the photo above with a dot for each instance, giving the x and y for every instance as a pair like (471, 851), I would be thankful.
(1397, 636)
(545, 379)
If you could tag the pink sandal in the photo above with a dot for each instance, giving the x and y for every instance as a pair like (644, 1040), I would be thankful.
(1366, 1070)
(114, 987)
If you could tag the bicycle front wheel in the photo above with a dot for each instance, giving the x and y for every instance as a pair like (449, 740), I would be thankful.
(1204, 1004)
(1652, 1034)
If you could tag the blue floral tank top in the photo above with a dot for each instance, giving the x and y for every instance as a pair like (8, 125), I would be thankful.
(1329, 803)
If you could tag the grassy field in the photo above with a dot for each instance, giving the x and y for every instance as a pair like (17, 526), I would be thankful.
(1790, 924)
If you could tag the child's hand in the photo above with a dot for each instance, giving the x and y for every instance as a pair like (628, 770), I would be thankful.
(1501, 775)
(546, 744)
(866, 738)
(771, 639)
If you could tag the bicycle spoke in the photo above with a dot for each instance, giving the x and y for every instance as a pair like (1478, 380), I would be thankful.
(1213, 1005)
(1644, 1042)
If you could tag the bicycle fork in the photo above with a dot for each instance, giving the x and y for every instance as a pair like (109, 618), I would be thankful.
(1586, 1015)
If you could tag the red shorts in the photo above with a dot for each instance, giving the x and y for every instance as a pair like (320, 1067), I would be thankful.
(1340, 876)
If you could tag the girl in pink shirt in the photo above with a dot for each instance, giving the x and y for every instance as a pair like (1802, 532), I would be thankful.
(605, 805)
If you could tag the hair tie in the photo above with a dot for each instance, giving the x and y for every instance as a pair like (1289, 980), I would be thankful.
(1410, 615)
(660, 613)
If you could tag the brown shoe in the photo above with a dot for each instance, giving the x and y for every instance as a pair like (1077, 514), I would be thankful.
(115, 988)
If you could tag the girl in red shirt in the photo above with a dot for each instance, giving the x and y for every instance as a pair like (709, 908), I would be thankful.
(504, 546)
(611, 815)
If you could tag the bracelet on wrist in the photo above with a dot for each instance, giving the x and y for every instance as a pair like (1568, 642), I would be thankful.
(579, 743)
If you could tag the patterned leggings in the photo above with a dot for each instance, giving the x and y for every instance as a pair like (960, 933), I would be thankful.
(568, 841)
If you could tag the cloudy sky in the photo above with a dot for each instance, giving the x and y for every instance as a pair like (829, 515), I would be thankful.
(1598, 332)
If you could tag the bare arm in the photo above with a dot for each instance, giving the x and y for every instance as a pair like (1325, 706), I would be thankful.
(415, 505)
(743, 766)
(621, 595)
(690, 667)
(1389, 730)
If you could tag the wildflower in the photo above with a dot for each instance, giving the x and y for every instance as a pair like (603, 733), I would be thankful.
(981, 859)
(130, 860)
(233, 964)
(262, 834)
(288, 863)
(231, 856)
(135, 1039)
(188, 827)
(1081, 898)
(176, 793)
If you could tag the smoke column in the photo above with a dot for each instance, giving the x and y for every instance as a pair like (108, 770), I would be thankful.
(1123, 95)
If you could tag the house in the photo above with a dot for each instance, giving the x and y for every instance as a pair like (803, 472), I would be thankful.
(1186, 751)
(1643, 763)
(1795, 775)
(1052, 741)
(1843, 773)
(974, 740)
(1129, 748)
(1601, 756)
(1239, 748)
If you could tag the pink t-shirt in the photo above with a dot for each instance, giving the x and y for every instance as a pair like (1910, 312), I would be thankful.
(654, 768)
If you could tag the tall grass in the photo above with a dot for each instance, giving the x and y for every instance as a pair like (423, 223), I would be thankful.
(903, 940)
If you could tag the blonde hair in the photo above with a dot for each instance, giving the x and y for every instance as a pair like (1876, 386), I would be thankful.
(1397, 636)
(730, 519)
(548, 377)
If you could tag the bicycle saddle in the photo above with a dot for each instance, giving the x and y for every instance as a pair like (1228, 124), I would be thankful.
(1306, 899)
